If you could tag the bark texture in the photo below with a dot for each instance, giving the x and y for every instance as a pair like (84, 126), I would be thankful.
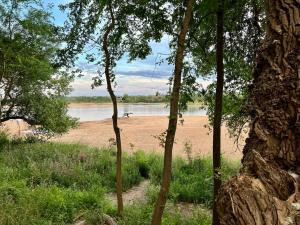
(115, 111)
(266, 190)
(218, 107)
(167, 169)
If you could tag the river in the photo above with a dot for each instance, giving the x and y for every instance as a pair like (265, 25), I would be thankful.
(100, 112)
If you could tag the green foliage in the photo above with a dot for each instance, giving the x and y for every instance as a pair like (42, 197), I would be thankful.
(66, 166)
(4, 139)
(145, 99)
(89, 99)
(234, 109)
(140, 214)
(49, 183)
(21, 205)
(244, 29)
(31, 84)
(131, 34)
(193, 182)
(150, 165)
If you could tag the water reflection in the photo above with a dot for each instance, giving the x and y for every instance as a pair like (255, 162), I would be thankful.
(101, 112)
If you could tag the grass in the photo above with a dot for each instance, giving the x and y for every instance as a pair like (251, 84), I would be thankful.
(67, 166)
(49, 204)
(141, 215)
(51, 183)
(191, 182)
(48, 183)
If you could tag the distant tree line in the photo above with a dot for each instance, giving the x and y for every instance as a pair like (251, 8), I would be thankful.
(125, 99)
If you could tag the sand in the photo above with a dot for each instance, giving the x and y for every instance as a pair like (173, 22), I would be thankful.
(138, 133)
(15, 128)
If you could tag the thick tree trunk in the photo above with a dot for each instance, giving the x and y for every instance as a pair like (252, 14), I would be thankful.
(167, 169)
(115, 112)
(218, 108)
(266, 190)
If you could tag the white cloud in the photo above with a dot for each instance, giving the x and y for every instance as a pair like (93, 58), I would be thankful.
(129, 84)
(132, 85)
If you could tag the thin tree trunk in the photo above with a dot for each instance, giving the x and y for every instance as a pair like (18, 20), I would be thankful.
(218, 108)
(167, 169)
(266, 190)
(1, 78)
(115, 112)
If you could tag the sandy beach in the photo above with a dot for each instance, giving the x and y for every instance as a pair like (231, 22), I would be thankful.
(138, 134)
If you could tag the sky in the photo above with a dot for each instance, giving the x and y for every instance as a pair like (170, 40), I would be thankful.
(140, 77)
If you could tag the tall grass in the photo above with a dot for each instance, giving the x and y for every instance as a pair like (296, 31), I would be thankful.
(47, 183)
(51, 183)
(140, 214)
(68, 166)
(23, 205)
(191, 181)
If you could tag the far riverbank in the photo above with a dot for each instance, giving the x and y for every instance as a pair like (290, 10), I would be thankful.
(96, 112)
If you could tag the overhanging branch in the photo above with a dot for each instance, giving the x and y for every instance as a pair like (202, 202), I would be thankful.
(27, 120)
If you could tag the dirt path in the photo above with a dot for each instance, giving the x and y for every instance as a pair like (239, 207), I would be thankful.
(135, 194)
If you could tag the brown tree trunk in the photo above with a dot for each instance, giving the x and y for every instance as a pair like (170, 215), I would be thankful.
(266, 190)
(167, 169)
(115, 112)
(218, 108)
(2, 73)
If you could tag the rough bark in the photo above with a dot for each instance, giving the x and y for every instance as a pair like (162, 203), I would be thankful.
(218, 107)
(266, 190)
(167, 169)
(115, 111)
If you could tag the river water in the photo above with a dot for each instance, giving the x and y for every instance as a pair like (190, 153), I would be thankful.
(100, 112)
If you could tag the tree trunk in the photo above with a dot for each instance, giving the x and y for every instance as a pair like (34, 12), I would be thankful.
(218, 108)
(167, 169)
(266, 190)
(115, 112)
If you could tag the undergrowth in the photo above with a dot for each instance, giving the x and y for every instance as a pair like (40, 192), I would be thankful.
(52, 183)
